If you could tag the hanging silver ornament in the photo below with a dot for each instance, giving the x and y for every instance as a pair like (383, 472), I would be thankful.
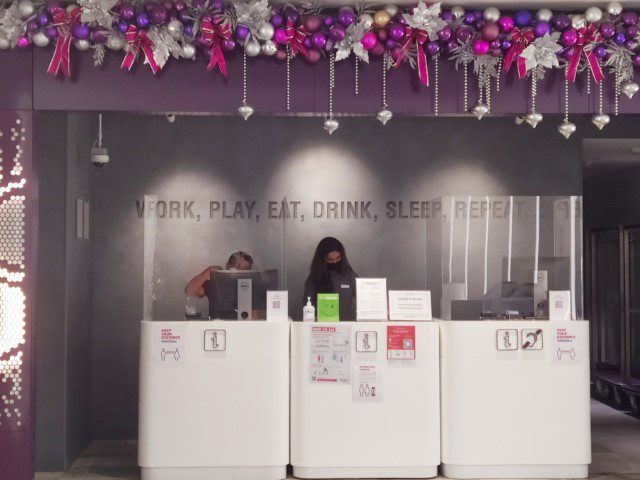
(567, 128)
(630, 89)
(331, 125)
(269, 48)
(189, 51)
(265, 31)
(384, 116)
(578, 21)
(4, 44)
(27, 8)
(366, 21)
(40, 39)
(457, 12)
(491, 14)
(115, 42)
(82, 45)
(245, 111)
(544, 15)
(593, 14)
(600, 120)
(175, 28)
(480, 111)
(533, 119)
(392, 10)
(252, 48)
(614, 8)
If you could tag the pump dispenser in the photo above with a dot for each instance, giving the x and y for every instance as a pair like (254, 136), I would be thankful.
(309, 312)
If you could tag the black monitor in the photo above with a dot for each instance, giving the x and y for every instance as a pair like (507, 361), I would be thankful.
(223, 291)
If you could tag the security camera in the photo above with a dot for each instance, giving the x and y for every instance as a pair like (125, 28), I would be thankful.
(99, 156)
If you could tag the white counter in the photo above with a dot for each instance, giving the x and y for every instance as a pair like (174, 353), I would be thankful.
(520, 413)
(333, 435)
(220, 413)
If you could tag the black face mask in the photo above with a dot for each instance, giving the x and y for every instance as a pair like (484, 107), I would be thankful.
(333, 267)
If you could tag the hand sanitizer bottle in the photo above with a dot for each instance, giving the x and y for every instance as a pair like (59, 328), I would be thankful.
(309, 312)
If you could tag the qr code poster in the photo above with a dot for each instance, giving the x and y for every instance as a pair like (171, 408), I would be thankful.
(401, 342)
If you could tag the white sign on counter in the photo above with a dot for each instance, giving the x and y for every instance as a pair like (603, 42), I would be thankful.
(170, 349)
(566, 345)
(367, 384)
(277, 306)
(371, 294)
(560, 305)
(409, 305)
(330, 359)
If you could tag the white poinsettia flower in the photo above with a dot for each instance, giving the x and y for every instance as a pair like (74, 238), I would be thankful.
(11, 24)
(252, 14)
(97, 11)
(426, 18)
(353, 43)
(542, 52)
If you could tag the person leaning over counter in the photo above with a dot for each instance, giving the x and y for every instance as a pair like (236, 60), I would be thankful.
(198, 286)
(330, 272)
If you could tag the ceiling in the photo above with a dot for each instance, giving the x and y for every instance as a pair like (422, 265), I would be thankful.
(602, 156)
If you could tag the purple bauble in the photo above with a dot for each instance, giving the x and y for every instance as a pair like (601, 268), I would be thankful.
(541, 29)
(199, 4)
(377, 50)
(319, 40)
(383, 34)
(43, 19)
(479, 23)
(281, 54)
(632, 31)
(292, 15)
(127, 12)
(99, 35)
(494, 45)
(561, 22)
(242, 32)
(397, 53)
(369, 40)
(346, 16)
(451, 46)
(567, 53)
(142, 20)
(523, 18)
(307, 42)
(463, 34)
(607, 29)
(184, 16)
(277, 20)
(505, 45)
(396, 31)
(490, 31)
(402, 20)
(337, 33)
(506, 24)
(179, 6)
(123, 26)
(228, 44)
(447, 16)
(51, 33)
(630, 18)
(569, 37)
(480, 47)
(433, 48)
(328, 21)
(469, 18)
(158, 14)
(280, 36)
(188, 29)
(631, 45)
(80, 31)
(390, 44)
(23, 41)
(636, 60)
(600, 51)
(444, 34)
(313, 23)
(32, 26)
(217, 4)
(51, 7)
(496, 52)
(478, 14)
(620, 38)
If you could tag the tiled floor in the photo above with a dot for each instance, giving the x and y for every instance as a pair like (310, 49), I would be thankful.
(615, 444)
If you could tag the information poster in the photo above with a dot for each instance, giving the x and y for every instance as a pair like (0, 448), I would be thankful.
(372, 298)
(367, 383)
(170, 350)
(277, 306)
(566, 345)
(409, 305)
(560, 305)
(330, 359)
(401, 342)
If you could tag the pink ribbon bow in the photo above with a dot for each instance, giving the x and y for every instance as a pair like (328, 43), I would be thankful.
(521, 39)
(419, 37)
(63, 21)
(295, 38)
(213, 34)
(137, 40)
(587, 38)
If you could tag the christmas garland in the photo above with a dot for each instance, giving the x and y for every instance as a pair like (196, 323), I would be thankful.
(520, 43)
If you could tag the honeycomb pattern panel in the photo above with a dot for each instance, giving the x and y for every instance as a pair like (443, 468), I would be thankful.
(11, 390)
(12, 225)
(12, 313)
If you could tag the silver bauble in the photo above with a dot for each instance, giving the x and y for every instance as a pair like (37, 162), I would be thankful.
(115, 42)
(614, 8)
(27, 8)
(189, 51)
(331, 125)
(593, 15)
(567, 128)
(457, 12)
(40, 39)
(392, 10)
(269, 48)
(265, 31)
(245, 111)
(4, 44)
(630, 89)
(533, 119)
(384, 116)
(491, 14)
(480, 111)
(600, 120)
(252, 48)
(82, 45)
(366, 21)
(544, 15)
(175, 28)
(578, 21)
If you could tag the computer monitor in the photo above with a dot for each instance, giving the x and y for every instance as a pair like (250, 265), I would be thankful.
(224, 295)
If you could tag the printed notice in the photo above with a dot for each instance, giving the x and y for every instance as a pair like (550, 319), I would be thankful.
(566, 345)
(170, 351)
(330, 359)
(367, 384)
(372, 298)
(560, 305)
(401, 342)
(409, 305)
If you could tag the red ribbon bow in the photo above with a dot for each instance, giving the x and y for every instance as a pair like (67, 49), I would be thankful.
(419, 37)
(587, 38)
(213, 34)
(63, 21)
(295, 38)
(136, 40)
(521, 39)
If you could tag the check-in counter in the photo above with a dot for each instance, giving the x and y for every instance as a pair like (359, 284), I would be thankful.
(214, 400)
(515, 399)
(384, 422)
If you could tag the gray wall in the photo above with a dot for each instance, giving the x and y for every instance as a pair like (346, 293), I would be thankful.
(612, 199)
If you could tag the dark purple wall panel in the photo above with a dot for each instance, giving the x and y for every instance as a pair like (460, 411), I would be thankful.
(16, 79)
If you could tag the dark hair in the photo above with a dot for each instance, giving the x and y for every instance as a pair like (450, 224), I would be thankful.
(233, 258)
(318, 272)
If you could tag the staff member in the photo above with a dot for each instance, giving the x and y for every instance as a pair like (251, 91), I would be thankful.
(198, 285)
(330, 272)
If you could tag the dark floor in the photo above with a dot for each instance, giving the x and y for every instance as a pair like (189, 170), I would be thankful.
(615, 444)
